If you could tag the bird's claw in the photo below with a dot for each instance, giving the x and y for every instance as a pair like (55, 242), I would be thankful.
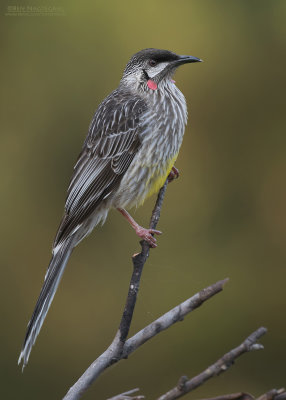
(174, 174)
(148, 235)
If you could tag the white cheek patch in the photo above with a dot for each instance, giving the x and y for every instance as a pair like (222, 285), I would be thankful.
(153, 71)
(133, 79)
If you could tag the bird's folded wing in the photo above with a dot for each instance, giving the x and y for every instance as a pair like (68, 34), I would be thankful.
(112, 143)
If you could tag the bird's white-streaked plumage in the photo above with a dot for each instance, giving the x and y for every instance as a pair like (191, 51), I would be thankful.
(132, 144)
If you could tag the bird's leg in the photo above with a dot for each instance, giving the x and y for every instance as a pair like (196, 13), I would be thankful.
(174, 174)
(143, 233)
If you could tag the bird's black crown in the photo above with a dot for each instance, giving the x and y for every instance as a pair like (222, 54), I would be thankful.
(150, 54)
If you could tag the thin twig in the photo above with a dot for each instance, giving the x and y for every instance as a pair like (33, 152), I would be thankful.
(232, 396)
(274, 394)
(171, 317)
(138, 264)
(126, 395)
(186, 385)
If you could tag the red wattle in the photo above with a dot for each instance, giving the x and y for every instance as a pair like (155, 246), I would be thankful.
(152, 85)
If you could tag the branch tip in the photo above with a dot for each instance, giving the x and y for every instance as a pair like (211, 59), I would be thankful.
(250, 341)
(225, 281)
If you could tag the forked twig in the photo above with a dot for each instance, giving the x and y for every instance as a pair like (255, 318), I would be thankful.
(186, 385)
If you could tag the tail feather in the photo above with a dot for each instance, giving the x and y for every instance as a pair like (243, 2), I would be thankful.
(51, 283)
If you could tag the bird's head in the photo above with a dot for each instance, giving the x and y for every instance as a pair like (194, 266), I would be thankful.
(150, 67)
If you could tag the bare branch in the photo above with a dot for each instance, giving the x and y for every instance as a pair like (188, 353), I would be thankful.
(165, 321)
(138, 264)
(126, 395)
(171, 317)
(185, 386)
(233, 396)
(274, 394)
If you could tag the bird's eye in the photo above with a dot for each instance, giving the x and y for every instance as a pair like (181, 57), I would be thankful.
(152, 63)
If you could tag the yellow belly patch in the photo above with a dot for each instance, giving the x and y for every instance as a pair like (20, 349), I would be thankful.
(157, 182)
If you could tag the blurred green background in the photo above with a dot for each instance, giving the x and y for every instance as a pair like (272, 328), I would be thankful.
(224, 217)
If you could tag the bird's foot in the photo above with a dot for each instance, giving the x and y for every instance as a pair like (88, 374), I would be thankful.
(148, 235)
(145, 234)
(174, 174)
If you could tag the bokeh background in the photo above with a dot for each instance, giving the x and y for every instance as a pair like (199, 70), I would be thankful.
(224, 217)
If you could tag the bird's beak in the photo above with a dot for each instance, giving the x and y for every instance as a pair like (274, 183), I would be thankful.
(186, 59)
(174, 64)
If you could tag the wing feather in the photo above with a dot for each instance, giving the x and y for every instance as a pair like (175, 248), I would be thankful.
(111, 144)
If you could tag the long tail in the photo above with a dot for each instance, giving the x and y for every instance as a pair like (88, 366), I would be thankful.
(51, 283)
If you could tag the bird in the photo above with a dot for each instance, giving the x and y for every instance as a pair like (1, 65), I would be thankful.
(132, 144)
